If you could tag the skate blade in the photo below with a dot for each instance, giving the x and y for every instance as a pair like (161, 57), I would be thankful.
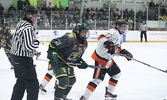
(42, 92)
(110, 98)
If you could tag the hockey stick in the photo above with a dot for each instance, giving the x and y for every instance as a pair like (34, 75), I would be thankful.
(165, 71)
(92, 66)
(74, 64)
(70, 63)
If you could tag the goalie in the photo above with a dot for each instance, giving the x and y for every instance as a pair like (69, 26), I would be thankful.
(108, 45)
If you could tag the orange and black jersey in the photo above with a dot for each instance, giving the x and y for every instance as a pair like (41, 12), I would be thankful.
(101, 54)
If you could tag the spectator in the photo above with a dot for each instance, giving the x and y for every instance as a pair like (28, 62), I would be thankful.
(140, 13)
(140, 20)
(131, 13)
(143, 30)
(130, 23)
(11, 10)
(160, 17)
(125, 13)
(26, 3)
(54, 9)
(1, 10)
(20, 6)
(164, 17)
(1, 15)
(72, 24)
(151, 4)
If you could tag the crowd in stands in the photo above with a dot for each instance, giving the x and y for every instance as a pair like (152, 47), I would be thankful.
(66, 18)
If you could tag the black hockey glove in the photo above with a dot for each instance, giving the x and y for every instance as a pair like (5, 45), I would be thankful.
(126, 53)
(37, 54)
(83, 65)
(110, 46)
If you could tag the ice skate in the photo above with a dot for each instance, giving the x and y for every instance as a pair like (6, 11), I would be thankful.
(65, 98)
(82, 98)
(42, 89)
(56, 98)
(110, 96)
(12, 67)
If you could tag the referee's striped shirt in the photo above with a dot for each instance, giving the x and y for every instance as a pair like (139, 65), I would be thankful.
(24, 40)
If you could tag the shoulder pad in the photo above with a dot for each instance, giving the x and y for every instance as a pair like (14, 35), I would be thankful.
(51, 45)
(101, 36)
(110, 32)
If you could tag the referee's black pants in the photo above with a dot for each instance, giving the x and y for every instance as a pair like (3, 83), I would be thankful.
(141, 36)
(26, 79)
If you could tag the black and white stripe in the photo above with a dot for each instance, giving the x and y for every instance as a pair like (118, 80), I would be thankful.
(24, 40)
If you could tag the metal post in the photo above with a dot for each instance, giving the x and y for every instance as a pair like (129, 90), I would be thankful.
(51, 21)
(109, 15)
(81, 12)
(66, 24)
(158, 17)
(135, 17)
(147, 12)
(95, 24)
(122, 10)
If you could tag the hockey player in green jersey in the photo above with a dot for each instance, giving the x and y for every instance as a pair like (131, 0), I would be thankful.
(5, 40)
(68, 48)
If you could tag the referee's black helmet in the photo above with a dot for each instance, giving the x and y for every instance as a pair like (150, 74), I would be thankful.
(30, 10)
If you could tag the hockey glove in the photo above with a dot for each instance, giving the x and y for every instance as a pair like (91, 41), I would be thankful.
(83, 65)
(37, 54)
(126, 53)
(110, 46)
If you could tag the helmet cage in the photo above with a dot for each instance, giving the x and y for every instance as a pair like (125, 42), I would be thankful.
(122, 27)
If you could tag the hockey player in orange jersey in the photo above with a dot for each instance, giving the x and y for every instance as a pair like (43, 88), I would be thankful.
(108, 46)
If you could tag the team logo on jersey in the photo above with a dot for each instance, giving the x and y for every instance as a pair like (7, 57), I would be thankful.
(58, 42)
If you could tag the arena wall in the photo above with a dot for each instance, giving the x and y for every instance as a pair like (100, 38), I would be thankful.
(131, 36)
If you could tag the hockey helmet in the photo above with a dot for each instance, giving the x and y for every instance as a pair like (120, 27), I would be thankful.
(122, 26)
(79, 27)
(6, 25)
(30, 10)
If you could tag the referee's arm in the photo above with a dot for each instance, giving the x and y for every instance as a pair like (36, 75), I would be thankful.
(30, 42)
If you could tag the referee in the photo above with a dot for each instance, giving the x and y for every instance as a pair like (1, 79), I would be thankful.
(143, 31)
(24, 43)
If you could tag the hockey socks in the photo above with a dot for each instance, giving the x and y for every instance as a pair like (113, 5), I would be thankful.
(89, 90)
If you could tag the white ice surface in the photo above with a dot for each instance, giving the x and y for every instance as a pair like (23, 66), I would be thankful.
(137, 81)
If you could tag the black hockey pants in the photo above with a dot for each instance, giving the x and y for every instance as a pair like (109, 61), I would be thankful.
(26, 78)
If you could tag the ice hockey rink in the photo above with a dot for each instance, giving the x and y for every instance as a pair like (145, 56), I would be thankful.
(137, 82)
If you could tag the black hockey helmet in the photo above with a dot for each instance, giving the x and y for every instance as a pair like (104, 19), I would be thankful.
(30, 10)
(80, 27)
(121, 23)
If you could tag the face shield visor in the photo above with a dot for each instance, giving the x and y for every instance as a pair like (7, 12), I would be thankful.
(84, 34)
(123, 29)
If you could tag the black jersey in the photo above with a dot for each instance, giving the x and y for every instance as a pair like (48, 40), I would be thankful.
(68, 47)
